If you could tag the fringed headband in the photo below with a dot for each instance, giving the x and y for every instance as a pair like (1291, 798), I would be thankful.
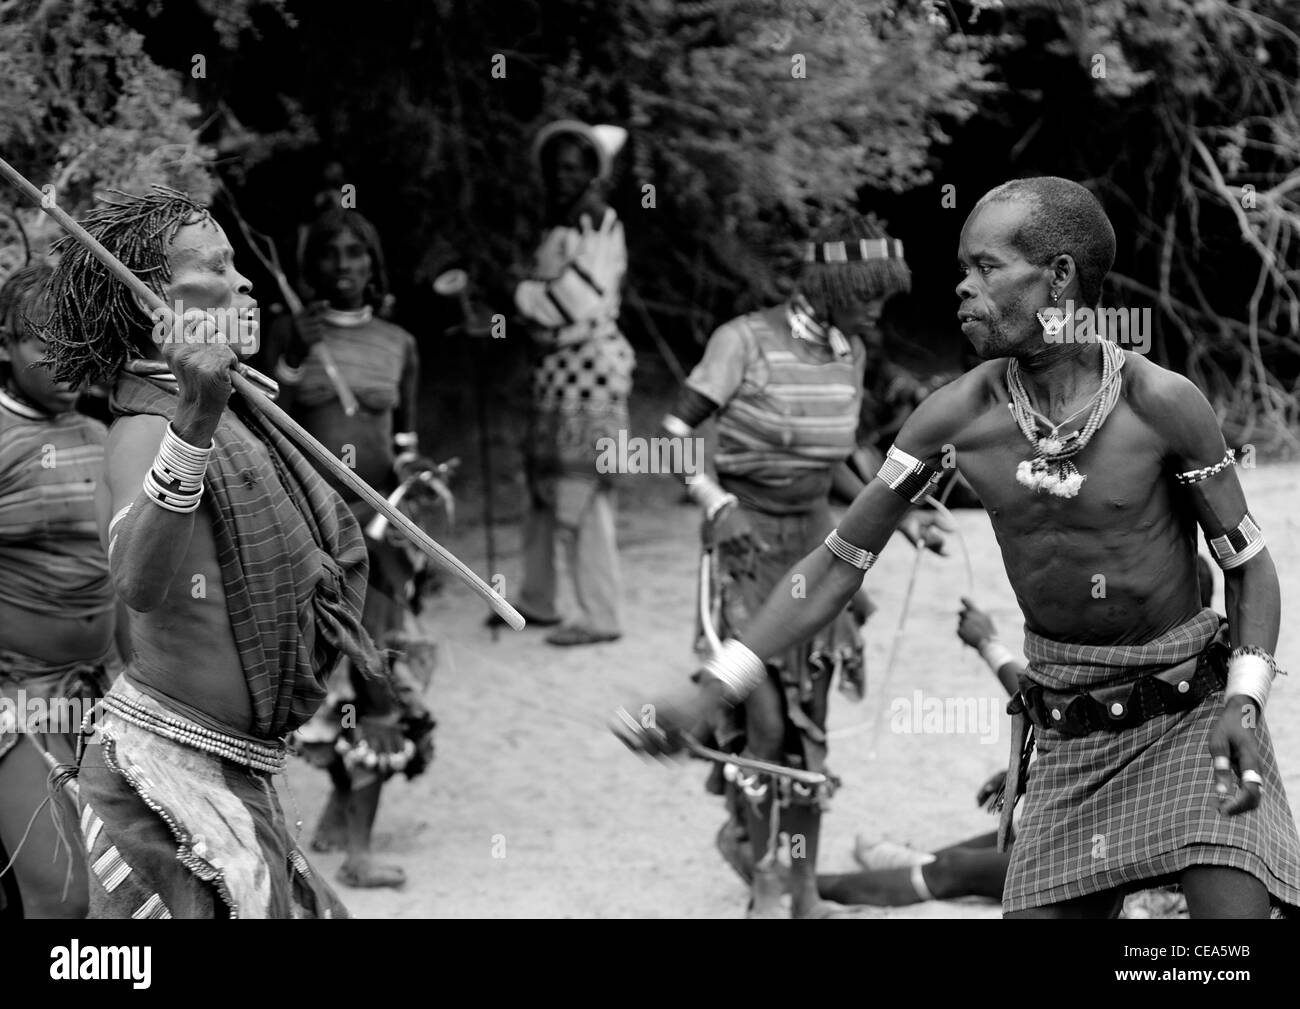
(845, 252)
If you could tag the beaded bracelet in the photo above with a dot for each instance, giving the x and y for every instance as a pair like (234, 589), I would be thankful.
(907, 475)
(1205, 472)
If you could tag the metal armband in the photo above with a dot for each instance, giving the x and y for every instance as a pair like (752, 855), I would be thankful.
(1235, 547)
(907, 475)
(847, 552)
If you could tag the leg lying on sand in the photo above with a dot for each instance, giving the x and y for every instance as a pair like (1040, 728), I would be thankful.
(973, 868)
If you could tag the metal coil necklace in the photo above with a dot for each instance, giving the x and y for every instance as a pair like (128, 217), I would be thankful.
(1051, 469)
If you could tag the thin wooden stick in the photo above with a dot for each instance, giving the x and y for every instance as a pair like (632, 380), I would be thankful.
(270, 261)
(250, 384)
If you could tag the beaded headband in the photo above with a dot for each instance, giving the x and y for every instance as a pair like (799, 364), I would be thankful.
(844, 252)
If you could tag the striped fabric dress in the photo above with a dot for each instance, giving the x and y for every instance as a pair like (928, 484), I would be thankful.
(51, 561)
(1113, 809)
(788, 416)
(793, 412)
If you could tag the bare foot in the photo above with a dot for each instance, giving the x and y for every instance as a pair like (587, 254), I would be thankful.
(363, 873)
(815, 909)
(806, 902)
(766, 894)
(332, 830)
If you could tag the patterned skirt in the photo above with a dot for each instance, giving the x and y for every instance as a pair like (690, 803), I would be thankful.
(1115, 809)
(742, 585)
(173, 831)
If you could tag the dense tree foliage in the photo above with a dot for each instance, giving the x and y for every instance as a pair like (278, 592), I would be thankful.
(749, 120)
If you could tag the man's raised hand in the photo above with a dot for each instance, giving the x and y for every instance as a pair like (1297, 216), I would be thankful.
(658, 728)
(974, 626)
(201, 361)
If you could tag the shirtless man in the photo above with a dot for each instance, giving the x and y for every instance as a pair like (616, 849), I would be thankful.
(243, 574)
(1088, 483)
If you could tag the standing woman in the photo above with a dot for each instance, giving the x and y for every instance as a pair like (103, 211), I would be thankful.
(378, 362)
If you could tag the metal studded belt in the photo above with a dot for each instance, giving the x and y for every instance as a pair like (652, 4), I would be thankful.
(1123, 705)
(266, 757)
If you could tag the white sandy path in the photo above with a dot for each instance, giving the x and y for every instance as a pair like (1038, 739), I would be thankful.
(526, 770)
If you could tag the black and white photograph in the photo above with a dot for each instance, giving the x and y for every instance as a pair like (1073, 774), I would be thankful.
(650, 459)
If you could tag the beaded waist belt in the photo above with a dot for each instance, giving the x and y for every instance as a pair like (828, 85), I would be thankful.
(259, 756)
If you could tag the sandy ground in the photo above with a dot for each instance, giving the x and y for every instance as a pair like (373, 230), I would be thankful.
(533, 809)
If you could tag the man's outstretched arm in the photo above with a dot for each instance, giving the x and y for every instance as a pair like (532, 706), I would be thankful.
(820, 585)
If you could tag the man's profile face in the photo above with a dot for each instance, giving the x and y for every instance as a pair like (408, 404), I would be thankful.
(204, 278)
(344, 268)
(1001, 293)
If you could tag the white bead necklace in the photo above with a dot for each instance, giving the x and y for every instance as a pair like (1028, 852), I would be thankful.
(1051, 469)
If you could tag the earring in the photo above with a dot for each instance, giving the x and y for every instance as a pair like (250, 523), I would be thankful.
(1053, 320)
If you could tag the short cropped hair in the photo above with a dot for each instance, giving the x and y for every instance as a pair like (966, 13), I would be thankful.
(1063, 217)
(19, 295)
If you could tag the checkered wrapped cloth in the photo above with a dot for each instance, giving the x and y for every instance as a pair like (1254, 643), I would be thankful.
(1112, 809)
(292, 556)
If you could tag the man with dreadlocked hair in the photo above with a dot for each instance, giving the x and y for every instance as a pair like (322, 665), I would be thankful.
(56, 604)
(242, 570)
(785, 385)
(343, 263)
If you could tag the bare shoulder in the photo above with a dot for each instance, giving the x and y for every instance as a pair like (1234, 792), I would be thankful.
(948, 410)
(132, 435)
(1174, 407)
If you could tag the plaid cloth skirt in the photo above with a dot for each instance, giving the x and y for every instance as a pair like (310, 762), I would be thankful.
(1117, 809)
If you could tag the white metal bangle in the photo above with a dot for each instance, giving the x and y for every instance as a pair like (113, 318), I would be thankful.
(704, 491)
(286, 373)
(1235, 547)
(712, 511)
(1250, 676)
(847, 552)
(995, 654)
(173, 501)
(737, 668)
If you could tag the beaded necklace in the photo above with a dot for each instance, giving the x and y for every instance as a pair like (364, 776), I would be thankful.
(1051, 469)
(29, 411)
(346, 318)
